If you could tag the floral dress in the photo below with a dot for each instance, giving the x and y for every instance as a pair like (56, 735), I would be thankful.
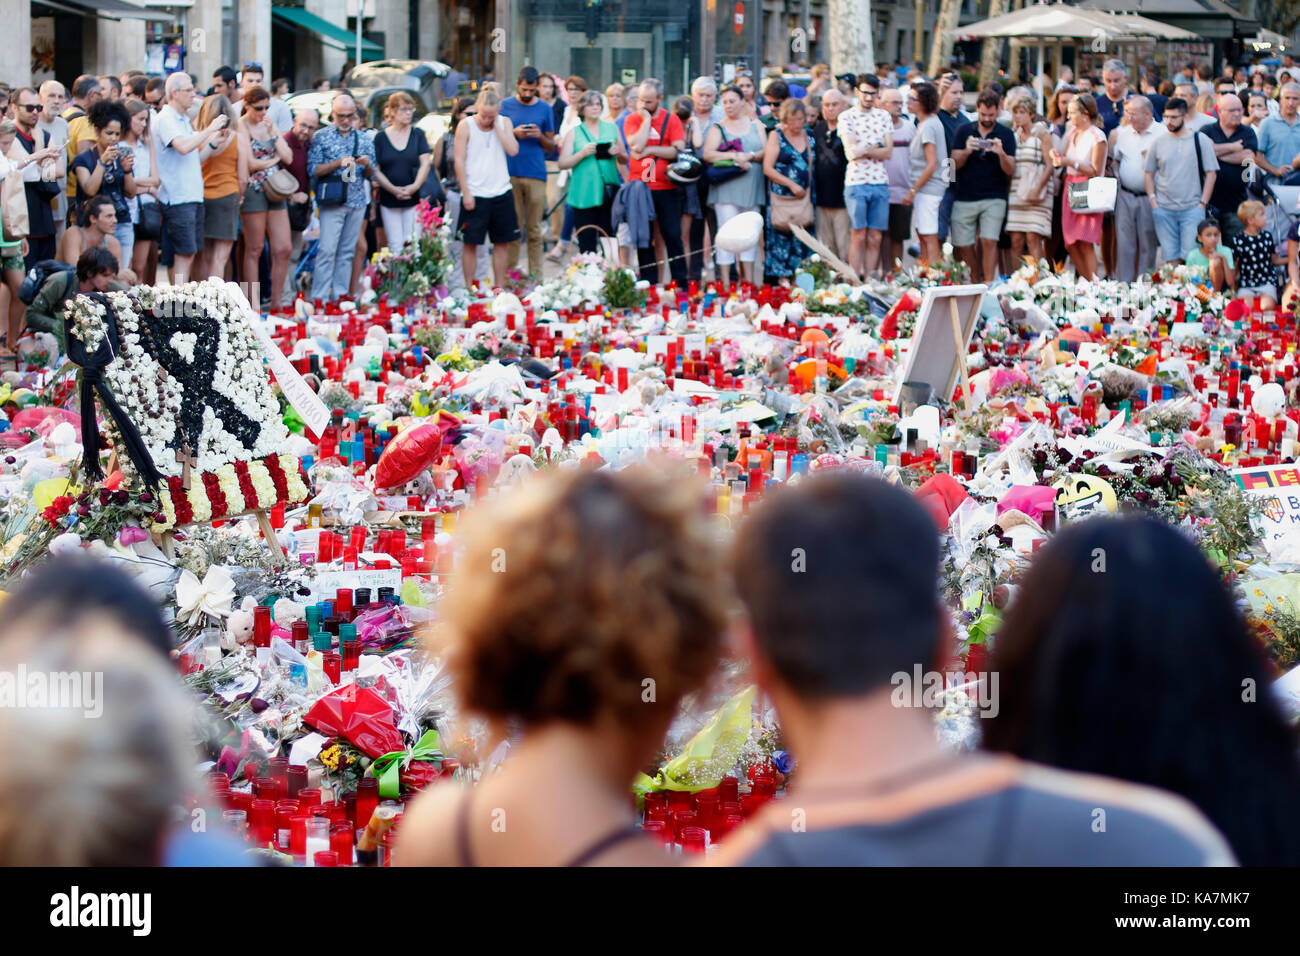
(783, 251)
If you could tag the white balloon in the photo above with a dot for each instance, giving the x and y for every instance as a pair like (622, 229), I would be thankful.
(740, 233)
(1269, 400)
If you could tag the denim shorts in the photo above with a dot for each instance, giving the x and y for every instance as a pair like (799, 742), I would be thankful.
(868, 206)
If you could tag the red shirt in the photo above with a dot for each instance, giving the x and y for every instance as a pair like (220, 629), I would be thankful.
(653, 170)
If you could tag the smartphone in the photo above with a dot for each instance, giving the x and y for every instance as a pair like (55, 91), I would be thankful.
(604, 150)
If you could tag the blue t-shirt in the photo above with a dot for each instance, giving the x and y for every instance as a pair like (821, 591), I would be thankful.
(531, 161)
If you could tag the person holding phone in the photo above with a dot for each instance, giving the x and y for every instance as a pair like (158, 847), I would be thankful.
(106, 170)
(534, 127)
(594, 151)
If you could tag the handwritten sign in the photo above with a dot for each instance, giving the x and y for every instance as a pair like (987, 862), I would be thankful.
(326, 584)
(300, 395)
(1279, 488)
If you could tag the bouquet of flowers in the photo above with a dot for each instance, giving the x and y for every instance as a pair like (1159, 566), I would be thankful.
(420, 268)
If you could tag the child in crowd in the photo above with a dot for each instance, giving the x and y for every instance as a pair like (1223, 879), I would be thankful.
(1211, 260)
(1256, 256)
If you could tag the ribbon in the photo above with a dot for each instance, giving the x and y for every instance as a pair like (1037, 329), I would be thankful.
(211, 597)
(92, 381)
(388, 768)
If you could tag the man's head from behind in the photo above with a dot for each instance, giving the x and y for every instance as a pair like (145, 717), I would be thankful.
(839, 578)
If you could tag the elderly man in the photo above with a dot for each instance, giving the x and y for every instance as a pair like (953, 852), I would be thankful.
(53, 98)
(829, 165)
(898, 166)
(342, 151)
(180, 168)
(1110, 104)
(1135, 227)
(705, 111)
(1235, 147)
(1279, 137)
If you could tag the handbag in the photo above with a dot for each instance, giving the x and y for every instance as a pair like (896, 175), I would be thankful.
(150, 224)
(13, 206)
(1093, 195)
(332, 191)
(299, 216)
(787, 211)
(724, 170)
(279, 184)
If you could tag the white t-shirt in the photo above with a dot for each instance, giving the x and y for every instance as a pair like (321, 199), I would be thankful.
(860, 128)
(181, 174)
(1131, 151)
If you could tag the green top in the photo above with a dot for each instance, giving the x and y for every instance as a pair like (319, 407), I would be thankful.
(588, 179)
(1196, 259)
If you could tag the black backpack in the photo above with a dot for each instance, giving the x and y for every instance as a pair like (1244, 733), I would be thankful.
(31, 286)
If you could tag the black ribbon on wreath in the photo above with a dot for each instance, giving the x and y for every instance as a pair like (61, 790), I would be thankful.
(92, 366)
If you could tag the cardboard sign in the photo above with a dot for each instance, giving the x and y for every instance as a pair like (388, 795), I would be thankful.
(1279, 487)
(326, 584)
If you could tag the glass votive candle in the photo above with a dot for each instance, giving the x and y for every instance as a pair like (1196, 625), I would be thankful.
(298, 837)
(333, 663)
(351, 655)
(693, 839)
(325, 858)
(297, 780)
(367, 799)
(309, 797)
(658, 830)
(341, 837)
(237, 821)
(262, 817)
(318, 837)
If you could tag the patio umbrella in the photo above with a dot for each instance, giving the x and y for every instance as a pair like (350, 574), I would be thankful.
(1042, 23)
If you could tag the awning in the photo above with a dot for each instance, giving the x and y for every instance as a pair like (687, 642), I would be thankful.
(107, 9)
(308, 24)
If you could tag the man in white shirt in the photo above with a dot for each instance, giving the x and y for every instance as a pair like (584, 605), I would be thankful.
(53, 100)
(180, 167)
(1135, 227)
(868, 136)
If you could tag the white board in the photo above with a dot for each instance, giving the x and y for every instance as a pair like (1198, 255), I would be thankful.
(932, 356)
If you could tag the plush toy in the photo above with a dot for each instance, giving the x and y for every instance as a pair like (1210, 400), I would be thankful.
(286, 612)
(239, 626)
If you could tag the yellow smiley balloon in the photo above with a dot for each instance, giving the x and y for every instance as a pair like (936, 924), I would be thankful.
(1078, 496)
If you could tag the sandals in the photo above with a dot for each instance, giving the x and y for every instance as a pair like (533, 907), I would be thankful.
(558, 253)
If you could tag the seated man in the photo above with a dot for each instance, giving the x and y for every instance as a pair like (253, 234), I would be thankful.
(96, 272)
(101, 222)
(839, 578)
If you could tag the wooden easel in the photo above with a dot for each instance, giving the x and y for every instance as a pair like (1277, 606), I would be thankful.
(959, 340)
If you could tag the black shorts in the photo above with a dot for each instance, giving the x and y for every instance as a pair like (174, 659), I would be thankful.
(493, 217)
(900, 222)
(183, 223)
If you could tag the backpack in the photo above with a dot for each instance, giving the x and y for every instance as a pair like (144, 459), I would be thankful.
(31, 286)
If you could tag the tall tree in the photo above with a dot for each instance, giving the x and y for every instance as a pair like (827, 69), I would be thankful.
(941, 46)
(852, 50)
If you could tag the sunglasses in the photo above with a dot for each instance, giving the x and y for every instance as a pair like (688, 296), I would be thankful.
(30, 107)
(260, 109)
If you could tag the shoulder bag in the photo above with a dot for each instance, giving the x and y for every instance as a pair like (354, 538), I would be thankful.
(787, 211)
(1093, 195)
(724, 170)
(332, 191)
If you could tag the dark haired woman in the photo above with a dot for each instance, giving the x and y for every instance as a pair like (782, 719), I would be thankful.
(107, 169)
(611, 576)
(1124, 655)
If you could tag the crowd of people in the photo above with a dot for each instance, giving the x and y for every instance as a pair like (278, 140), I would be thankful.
(883, 168)
(1120, 693)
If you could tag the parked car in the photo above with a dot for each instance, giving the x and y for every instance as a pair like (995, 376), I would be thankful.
(433, 122)
(418, 76)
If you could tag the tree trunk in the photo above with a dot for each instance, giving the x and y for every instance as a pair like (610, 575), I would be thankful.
(941, 45)
(851, 30)
(992, 55)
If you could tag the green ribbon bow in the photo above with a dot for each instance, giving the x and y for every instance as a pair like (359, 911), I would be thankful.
(388, 768)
